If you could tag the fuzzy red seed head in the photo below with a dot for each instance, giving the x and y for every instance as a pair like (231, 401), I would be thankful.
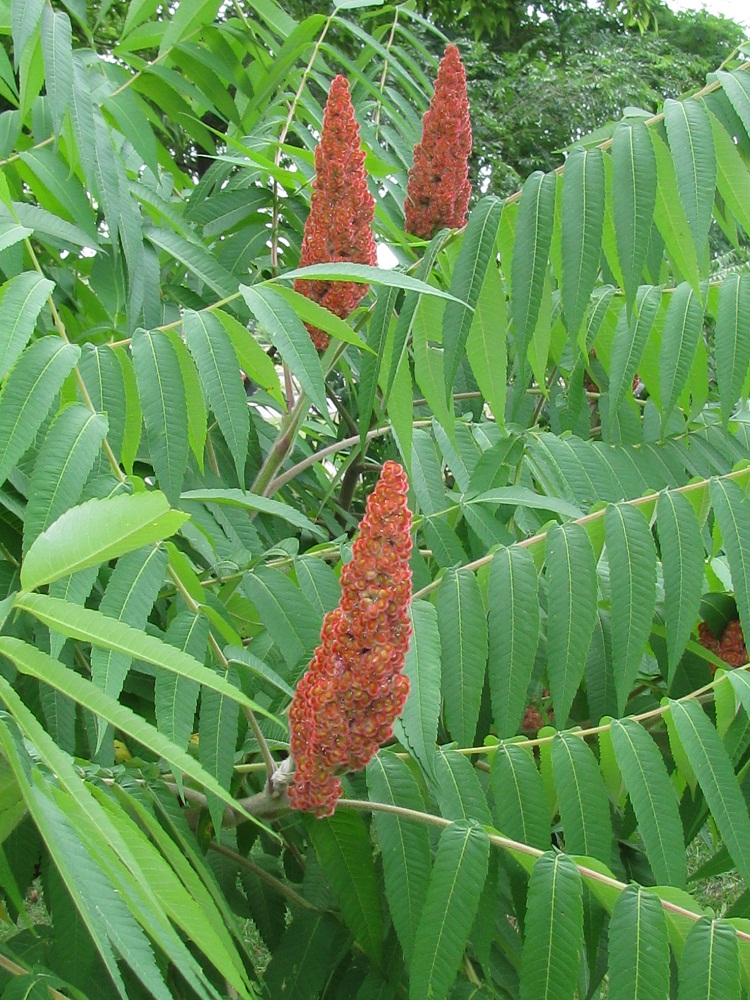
(438, 190)
(339, 226)
(345, 704)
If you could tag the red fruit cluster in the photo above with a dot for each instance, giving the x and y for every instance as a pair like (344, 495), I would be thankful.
(731, 647)
(437, 193)
(339, 226)
(345, 704)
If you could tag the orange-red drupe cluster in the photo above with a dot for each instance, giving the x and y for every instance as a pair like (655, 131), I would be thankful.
(731, 646)
(345, 704)
(339, 226)
(437, 194)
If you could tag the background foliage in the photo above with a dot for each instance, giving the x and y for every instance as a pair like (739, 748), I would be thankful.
(565, 382)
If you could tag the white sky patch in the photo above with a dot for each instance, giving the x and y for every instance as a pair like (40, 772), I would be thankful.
(386, 257)
(738, 10)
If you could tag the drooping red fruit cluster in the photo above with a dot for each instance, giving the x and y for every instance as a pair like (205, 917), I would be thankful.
(731, 647)
(345, 704)
(437, 193)
(339, 226)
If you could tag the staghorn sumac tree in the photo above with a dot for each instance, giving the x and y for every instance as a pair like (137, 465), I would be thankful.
(183, 477)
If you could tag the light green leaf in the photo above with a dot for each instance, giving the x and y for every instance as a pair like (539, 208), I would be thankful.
(448, 914)
(219, 371)
(717, 779)
(691, 143)
(463, 642)
(581, 235)
(217, 731)
(24, 18)
(710, 966)
(288, 335)
(520, 804)
(97, 531)
(634, 195)
(65, 460)
(457, 789)
(472, 264)
(732, 510)
(175, 697)
(28, 394)
(92, 626)
(654, 801)
(343, 847)
(57, 46)
(682, 566)
(631, 335)
(582, 797)
(195, 258)
(736, 88)
(669, 215)
(732, 340)
(571, 611)
(164, 401)
(733, 179)
(37, 664)
(21, 300)
(254, 502)
(404, 845)
(317, 315)
(536, 216)
(364, 274)
(554, 930)
(682, 329)
(632, 581)
(285, 611)
(417, 726)
(486, 345)
(638, 947)
(513, 635)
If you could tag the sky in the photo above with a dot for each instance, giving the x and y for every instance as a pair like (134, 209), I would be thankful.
(738, 10)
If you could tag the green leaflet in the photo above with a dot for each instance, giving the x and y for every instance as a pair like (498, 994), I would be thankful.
(582, 797)
(252, 358)
(175, 697)
(312, 312)
(195, 258)
(417, 726)
(472, 264)
(429, 366)
(102, 374)
(163, 397)
(28, 394)
(520, 805)
(129, 597)
(571, 611)
(217, 730)
(632, 581)
(343, 847)
(285, 611)
(513, 634)
(654, 801)
(638, 947)
(100, 630)
(581, 237)
(554, 930)
(404, 845)
(462, 622)
(450, 907)
(254, 502)
(710, 966)
(631, 335)
(219, 371)
(457, 788)
(197, 415)
(63, 464)
(732, 511)
(681, 548)
(57, 47)
(21, 300)
(716, 777)
(486, 344)
(732, 340)
(682, 329)
(288, 335)
(669, 215)
(38, 664)
(536, 214)
(97, 531)
(634, 198)
(364, 274)
(691, 143)
(735, 87)
(733, 181)
(369, 372)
